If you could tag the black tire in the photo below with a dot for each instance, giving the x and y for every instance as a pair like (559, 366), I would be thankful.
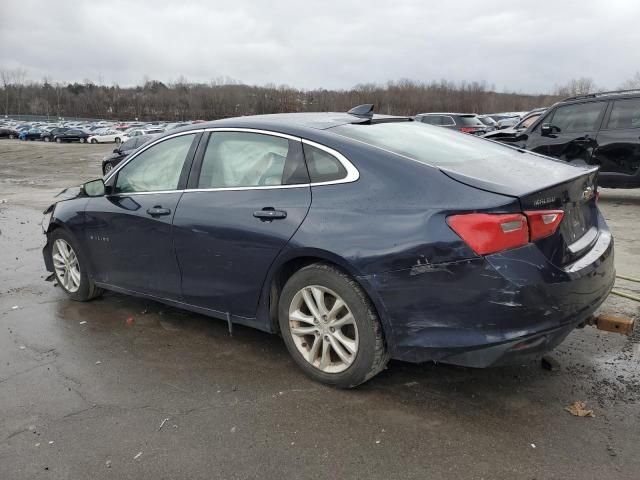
(371, 356)
(94, 141)
(83, 140)
(58, 140)
(87, 289)
(118, 141)
(12, 136)
(47, 139)
(107, 168)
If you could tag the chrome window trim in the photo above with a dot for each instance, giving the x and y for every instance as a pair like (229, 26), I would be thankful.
(155, 142)
(352, 172)
(452, 124)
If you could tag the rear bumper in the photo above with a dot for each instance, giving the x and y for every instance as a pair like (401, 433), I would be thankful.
(491, 310)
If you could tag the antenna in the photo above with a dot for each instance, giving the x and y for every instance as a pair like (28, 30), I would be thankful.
(365, 110)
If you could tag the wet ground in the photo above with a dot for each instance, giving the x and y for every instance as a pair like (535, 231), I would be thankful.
(129, 389)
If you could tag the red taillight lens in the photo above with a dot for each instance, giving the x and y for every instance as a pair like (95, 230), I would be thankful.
(468, 129)
(543, 223)
(489, 233)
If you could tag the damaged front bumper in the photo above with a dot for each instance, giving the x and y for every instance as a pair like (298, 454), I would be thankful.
(492, 310)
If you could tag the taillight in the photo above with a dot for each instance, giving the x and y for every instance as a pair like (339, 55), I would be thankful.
(468, 129)
(489, 233)
(543, 223)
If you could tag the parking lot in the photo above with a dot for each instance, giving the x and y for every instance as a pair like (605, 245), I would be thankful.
(124, 388)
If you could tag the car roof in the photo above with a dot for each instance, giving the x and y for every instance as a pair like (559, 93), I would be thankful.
(448, 113)
(291, 123)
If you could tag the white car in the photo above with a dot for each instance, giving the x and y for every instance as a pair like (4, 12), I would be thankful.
(108, 136)
(135, 132)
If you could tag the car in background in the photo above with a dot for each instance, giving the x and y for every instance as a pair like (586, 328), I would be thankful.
(462, 122)
(265, 221)
(49, 135)
(507, 122)
(121, 152)
(528, 120)
(107, 136)
(135, 132)
(9, 132)
(30, 134)
(71, 135)
(597, 129)
(488, 121)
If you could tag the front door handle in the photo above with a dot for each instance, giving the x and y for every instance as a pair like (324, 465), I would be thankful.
(269, 213)
(158, 211)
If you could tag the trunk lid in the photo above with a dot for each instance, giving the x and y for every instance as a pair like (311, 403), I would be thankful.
(540, 183)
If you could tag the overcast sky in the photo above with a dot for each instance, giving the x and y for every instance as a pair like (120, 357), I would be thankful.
(517, 46)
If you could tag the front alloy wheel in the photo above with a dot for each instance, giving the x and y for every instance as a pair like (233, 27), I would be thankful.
(323, 329)
(66, 265)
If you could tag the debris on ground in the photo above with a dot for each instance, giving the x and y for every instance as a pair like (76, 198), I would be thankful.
(162, 423)
(83, 322)
(130, 321)
(108, 463)
(51, 442)
(533, 445)
(579, 409)
(15, 307)
(22, 347)
(549, 363)
(98, 362)
(233, 429)
(137, 456)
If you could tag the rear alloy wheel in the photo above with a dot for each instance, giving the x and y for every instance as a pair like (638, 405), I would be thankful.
(82, 140)
(47, 139)
(58, 140)
(107, 168)
(12, 136)
(69, 268)
(330, 327)
(93, 140)
(118, 140)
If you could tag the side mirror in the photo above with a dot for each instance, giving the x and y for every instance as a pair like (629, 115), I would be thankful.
(547, 129)
(94, 188)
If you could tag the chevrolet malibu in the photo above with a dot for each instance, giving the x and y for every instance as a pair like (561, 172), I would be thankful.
(357, 237)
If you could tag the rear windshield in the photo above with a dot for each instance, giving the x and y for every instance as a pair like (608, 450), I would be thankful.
(425, 143)
(470, 121)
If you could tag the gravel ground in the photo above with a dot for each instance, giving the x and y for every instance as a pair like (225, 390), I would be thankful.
(145, 391)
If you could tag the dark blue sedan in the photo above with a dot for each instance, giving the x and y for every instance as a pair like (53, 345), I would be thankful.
(356, 237)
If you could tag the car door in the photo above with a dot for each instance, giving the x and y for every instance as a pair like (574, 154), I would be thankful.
(571, 134)
(248, 194)
(619, 139)
(129, 229)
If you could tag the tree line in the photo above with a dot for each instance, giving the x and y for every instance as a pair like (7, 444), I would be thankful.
(221, 98)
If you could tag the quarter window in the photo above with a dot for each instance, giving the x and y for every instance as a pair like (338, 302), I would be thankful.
(323, 167)
(625, 114)
(581, 117)
(238, 159)
(157, 168)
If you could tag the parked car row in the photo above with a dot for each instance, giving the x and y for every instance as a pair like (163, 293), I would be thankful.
(98, 132)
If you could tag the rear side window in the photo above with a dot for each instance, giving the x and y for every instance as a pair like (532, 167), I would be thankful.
(238, 159)
(625, 114)
(129, 144)
(470, 121)
(323, 167)
(447, 121)
(581, 117)
(431, 120)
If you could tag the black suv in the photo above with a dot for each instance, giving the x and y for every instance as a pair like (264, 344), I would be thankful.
(597, 129)
(462, 122)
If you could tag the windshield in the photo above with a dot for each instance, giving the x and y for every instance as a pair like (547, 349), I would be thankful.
(424, 143)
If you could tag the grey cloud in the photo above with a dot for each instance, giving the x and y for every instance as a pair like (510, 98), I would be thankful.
(528, 47)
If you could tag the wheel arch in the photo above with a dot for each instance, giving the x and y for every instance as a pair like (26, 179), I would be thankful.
(293, 261)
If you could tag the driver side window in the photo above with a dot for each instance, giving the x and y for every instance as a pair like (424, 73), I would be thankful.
(158, 168)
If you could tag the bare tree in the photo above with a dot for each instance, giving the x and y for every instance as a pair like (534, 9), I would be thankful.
(632, 83)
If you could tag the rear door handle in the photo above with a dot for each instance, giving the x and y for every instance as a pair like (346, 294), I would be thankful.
(158, 211)
(269, 213)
